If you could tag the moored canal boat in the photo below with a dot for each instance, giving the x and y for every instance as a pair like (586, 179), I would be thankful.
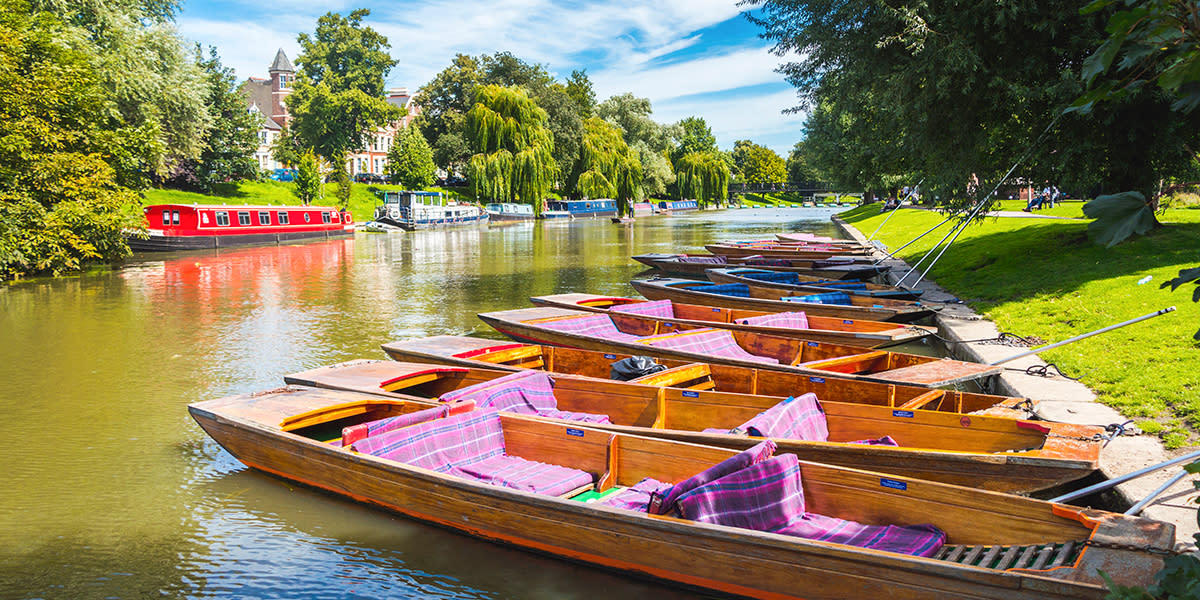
(201, 226)
(987, 452)
(584, 208)
(672, 315)
(426, 210)
(559, 327)
(654, 507)
(509, 211)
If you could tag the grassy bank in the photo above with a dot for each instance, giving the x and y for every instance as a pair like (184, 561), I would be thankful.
(1044, 278)
(782, 199)
(363, 196)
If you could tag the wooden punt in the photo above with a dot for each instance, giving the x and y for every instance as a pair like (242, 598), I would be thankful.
(696, 264)
(507, 356)
(797, 285)
(766, 299)
(288, 433)
(812, 237)
(835, 246)
(986, 452)
(785, 250)
(681, 317)
(545, 325)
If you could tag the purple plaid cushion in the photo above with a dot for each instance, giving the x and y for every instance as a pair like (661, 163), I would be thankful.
(883, 441)
(793, 419)
(715, 342)
(655, 308)
(765, 497)
(707, 260)
(637, 498)
(790, 320)
(441, 444)
(741, 460)
(600, 326)
(362, 430)
(523, 392)
(917, 540)
(526, 475)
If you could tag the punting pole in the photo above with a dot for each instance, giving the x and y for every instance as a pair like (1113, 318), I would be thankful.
(892, 254)
(1137, 508)
(1104, 485)
(1086, 335)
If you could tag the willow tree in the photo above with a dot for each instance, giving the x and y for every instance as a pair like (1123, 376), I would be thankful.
(607, 166)
(703, 176)
(512, 147)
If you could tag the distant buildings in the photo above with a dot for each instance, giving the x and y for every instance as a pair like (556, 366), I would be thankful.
(268, 98)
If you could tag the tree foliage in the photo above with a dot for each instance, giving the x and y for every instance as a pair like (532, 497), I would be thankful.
(513, 150)
(60, 200)
(693, 135)
(632, 115)
(579, 88)
(410, 160)
(703, 176)
(565, 125)
(609, 169)
(798, 171)
(308, 177)
(759, 164)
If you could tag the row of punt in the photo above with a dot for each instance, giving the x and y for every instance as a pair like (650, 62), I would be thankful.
(752, 462)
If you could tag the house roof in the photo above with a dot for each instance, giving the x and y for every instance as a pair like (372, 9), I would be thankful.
(258, 92)
(281, 63)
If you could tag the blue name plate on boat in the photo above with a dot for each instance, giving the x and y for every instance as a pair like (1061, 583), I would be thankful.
(816, 380)
(688, 394)
(846, 322)
(668, 324)
(716, 310)
(610, 356)
(907, 414)
(892, 483)
(575, 432)
(813, 344)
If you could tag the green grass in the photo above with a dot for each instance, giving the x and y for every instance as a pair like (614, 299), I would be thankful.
(364, 197)
(1045, 278)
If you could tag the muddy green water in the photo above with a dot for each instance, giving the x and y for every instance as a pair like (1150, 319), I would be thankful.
(110, 490)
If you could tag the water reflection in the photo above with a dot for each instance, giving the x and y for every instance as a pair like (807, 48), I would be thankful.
(112, 491)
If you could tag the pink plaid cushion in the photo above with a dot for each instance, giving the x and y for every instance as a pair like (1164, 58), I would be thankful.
(790, 320)
(793, 419)
(917, 540)
(715, 342)
(655, 308)
(637, 498)
(526, 475)
(600, 326)
(440, 444)
(741, 460)
(707, 260)
(765, 496)
(357, 432)
(523, 392)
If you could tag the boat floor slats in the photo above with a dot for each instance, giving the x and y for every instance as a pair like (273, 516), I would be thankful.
(1041, 556)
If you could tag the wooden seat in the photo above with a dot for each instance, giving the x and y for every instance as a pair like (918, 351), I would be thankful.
(923, 400)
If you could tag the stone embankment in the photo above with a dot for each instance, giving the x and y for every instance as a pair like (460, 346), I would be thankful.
(1057, 398)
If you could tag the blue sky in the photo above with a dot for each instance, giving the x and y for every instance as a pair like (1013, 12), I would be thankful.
(689, 57)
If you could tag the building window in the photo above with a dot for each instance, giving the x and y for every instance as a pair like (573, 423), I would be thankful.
(264, 218)
(283, 217)
(243, 217)
(166, 217)
(262, 137)
(174, 217)
(222, 218)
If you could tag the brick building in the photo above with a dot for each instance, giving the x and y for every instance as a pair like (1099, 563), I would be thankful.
(268, 98)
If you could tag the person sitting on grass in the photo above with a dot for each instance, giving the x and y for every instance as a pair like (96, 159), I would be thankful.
(1037, 201)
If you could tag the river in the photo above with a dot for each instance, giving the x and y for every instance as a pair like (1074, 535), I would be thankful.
(114, 492)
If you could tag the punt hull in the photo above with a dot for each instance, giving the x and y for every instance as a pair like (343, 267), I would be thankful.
(732, 561)
(873, 290)
(670, 263)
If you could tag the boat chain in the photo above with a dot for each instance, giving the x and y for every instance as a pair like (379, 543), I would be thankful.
(1005, 339)
(1146, 548)
(1111, 431)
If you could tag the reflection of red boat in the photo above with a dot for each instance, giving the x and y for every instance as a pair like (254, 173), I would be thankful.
(191, 227)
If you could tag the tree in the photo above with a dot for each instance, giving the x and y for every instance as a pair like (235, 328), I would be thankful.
(657, 174)
(762, 165)
(609, 169)
(952, 91)
(579, 88)
(565, 125)
(513, 157)
(230, 142)
(410, 160)
(338, 95)
(694, 136)
(703, 176)
(61, 202)
(632, 115)
(286, 148)
(308, 178)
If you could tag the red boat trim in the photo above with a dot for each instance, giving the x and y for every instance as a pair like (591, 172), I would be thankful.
(388, 382)
(1034, 426)
(488, 350)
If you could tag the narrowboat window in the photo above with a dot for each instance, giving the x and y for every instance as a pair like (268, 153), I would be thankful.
(264, 218)
(166, 217)
(307, 218)
(174, 217)
(222, 218)
(283, 217)
(204, 217)
(325, 217)
(243, 217)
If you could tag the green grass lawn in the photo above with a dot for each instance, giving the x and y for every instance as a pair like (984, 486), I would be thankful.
(1045, 278)
(364, 197)
(782, 199)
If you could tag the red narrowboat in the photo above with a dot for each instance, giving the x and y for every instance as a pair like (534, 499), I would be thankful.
(194, 227)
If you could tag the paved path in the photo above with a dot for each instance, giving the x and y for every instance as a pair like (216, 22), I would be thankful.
(1061, 399)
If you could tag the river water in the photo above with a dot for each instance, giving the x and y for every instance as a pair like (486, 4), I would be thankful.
(112, 491)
